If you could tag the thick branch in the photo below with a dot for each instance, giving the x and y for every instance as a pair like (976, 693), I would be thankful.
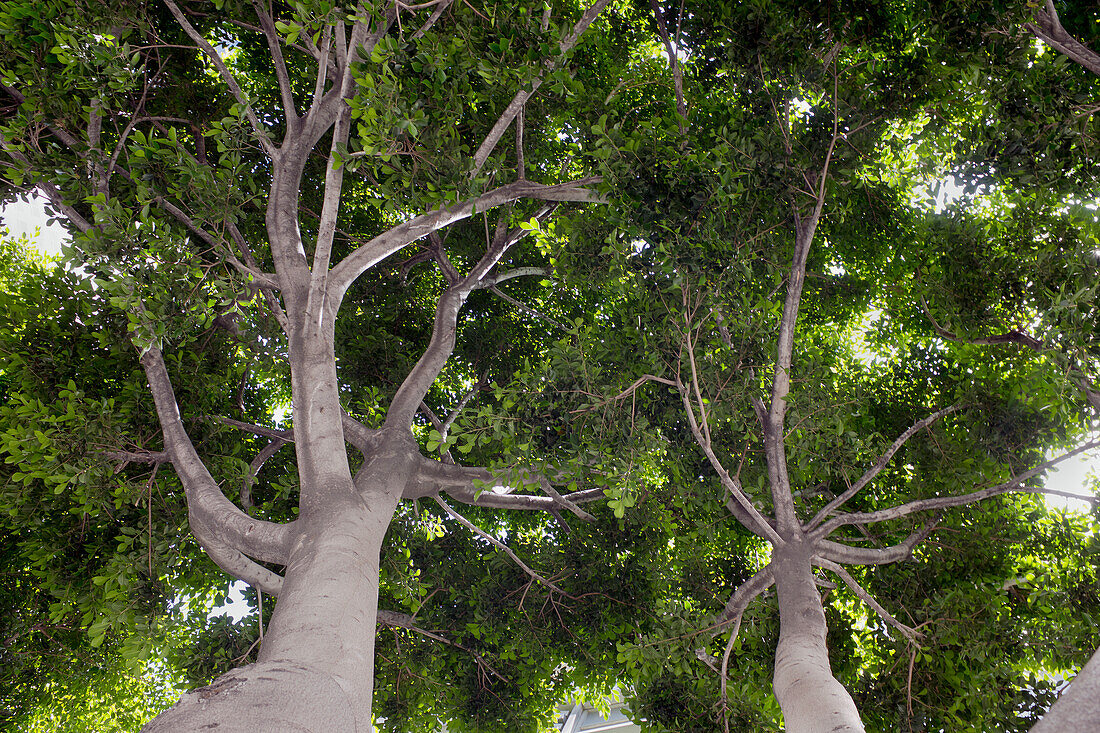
(1048, 27)
(413, 389)
(748, 514)
(274, 44)
(880, 464)
(744, 595)
(236, 564)
(216, 521)
(492, 282)
(945, 502)
(399, 237)
(848, 555)
(774, 448)
(334, 183)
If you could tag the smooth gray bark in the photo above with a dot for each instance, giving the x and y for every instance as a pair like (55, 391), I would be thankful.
(811, 698)
(315, 669)
(1078, 709)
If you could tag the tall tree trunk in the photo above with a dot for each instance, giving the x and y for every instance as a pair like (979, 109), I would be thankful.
(810, 697)
(316, 669)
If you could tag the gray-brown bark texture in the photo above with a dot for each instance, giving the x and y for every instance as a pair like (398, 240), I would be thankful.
(811, 698)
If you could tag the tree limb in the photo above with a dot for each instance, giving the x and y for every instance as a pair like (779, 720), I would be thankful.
(254, 469)
(415, 386)
(944, 502)
(1048, 27)
(215, 521)
(761, 580)
(1079, 377)
(774, 446)
(674, 63)
(910, 633)
(735, 611)
(880, 464)
(756, 523)
(405, 621)
(236, 564)
(492, 282)
(262, 279)
(460, 482)
(274, 45)
(227, 76)
(400, 236)
(261, 430)
(848, 555)
(440, 8)
(497, 132)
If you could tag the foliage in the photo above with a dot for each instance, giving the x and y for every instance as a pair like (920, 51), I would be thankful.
(910, 303)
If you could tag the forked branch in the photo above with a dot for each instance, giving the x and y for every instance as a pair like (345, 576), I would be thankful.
(217, 522)
(402, 235)
(227, 76)
(848, 555)
(880, 464)
(748, 514)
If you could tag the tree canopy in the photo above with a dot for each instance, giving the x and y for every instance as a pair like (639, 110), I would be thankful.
(520, 349)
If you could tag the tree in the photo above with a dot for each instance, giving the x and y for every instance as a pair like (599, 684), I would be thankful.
(786, 219)
(139, 102)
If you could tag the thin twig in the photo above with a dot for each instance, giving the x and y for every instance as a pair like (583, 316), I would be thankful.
(498, 544)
